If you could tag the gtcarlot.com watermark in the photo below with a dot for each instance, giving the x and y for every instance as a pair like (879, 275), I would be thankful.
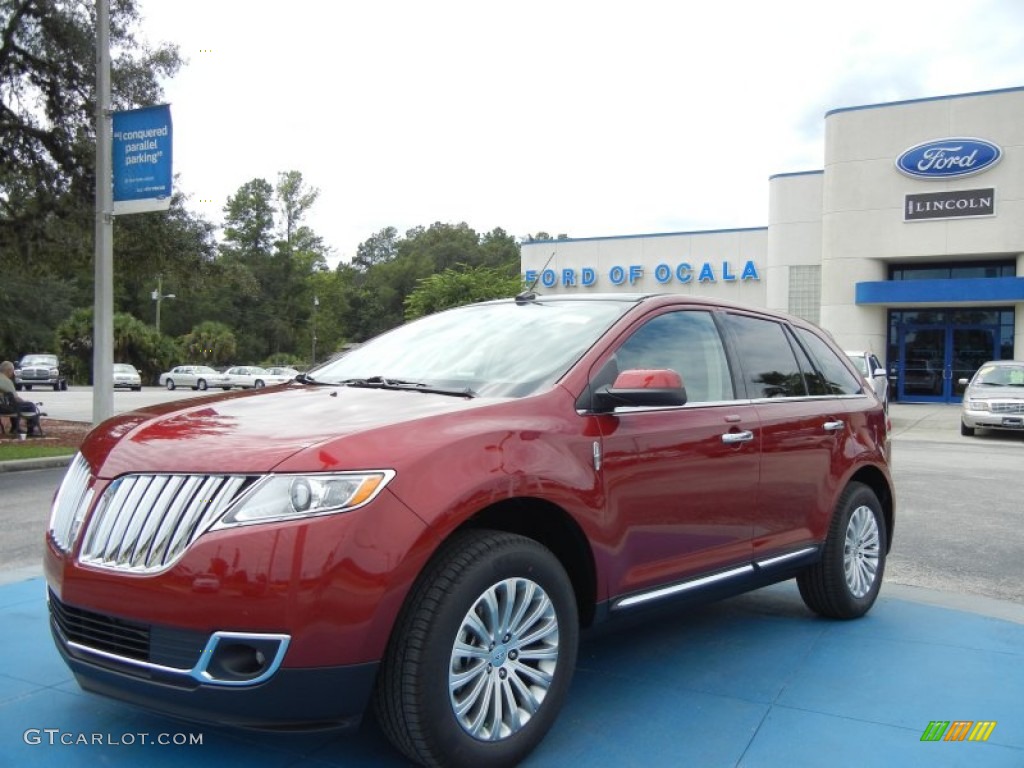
(56, 737)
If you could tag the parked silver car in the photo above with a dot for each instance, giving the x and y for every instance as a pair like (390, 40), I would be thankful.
(254, 377)
(994, 398)
(195, 376)
(127, 377)
(873, 371)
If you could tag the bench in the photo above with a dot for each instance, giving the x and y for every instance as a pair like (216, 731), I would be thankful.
(20, 411)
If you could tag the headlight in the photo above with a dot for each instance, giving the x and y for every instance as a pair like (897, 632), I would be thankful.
(288, 497)
(977, 405)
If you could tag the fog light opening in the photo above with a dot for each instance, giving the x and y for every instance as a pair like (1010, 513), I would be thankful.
(240, 659)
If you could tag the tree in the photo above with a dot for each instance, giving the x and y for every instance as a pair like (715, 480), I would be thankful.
(210, 342)
(376, 249)
(47, 107)
(249, 222)
(135, 342)
(295, 198)
(455, 287)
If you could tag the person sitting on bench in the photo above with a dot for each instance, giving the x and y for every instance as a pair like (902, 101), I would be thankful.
(13, 406)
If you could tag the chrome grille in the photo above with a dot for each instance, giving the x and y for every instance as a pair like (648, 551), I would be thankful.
(1006, 407)
(71, 504)
(144, 523)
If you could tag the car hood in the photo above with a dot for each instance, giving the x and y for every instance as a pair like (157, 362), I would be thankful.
(251, 432)
(995, 393)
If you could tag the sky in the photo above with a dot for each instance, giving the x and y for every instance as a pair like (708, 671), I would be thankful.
(587, 119)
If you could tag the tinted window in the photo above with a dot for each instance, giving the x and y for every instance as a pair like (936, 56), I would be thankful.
(766, 357)
(686, 342)
(838, 378)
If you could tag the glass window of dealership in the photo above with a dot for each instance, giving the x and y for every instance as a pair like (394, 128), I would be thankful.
(909, 242)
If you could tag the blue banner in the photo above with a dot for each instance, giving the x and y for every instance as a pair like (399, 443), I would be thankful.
(142, 159)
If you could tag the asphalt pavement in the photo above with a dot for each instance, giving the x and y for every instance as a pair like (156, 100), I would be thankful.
(927, 678)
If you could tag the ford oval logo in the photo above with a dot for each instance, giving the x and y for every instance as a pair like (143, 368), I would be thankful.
(948, 158)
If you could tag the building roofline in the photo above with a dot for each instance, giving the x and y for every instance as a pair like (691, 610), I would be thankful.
(927, 98)
(648, 234)
(795, 173)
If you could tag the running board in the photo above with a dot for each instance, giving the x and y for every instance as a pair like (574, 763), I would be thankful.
(643, 598)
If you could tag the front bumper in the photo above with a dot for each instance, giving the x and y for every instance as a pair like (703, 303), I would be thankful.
(975, 419)
(175, 679)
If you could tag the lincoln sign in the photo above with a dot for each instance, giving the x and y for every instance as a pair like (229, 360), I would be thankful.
(950, 205)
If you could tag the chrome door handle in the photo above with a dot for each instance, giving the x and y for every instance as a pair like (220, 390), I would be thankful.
(732, 438)
(832, 426)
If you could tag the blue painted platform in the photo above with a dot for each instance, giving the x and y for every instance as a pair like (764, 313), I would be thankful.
(754, 681)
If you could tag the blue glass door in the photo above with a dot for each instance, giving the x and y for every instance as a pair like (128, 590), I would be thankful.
(934, 358)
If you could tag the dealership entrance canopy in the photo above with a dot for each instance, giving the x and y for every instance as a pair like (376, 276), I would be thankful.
(910, 242)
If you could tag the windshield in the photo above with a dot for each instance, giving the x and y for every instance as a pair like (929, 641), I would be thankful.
(122, 368)
(492, 350)
(860, 362)
(40, 360)
(1001, 376)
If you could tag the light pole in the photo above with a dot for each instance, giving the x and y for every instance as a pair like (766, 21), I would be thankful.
(316, 303)
(158, 296)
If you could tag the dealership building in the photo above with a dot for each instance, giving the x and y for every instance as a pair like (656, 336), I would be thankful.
(909, 242)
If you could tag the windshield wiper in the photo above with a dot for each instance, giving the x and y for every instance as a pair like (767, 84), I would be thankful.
(380, 382)
(305, 378)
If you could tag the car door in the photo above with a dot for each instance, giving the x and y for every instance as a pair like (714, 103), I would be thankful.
(681, 482)
(806, 429)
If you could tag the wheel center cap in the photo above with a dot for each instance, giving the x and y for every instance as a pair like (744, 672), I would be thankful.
(499, 655)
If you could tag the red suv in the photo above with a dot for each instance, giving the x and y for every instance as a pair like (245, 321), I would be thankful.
(425, 524)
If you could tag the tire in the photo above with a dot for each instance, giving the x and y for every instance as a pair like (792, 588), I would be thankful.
(966, 431)
(28, 387)
(201, 385)
(64, 385)
(259, 384)
(56, 387)
(170, 384)
(845, 582)
(136, 389)
(418, 688)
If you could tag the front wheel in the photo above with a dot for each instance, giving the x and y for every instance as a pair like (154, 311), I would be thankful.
(259, 384)
(966, 431)
(845, 582)
(482, 654)
(170, 383)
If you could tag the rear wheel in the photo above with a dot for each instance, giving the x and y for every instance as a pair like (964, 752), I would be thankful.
(845, 582)
(482, 654)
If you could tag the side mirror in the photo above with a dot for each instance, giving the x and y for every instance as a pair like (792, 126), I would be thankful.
(963, 382)
(653, 388)
(878, 372)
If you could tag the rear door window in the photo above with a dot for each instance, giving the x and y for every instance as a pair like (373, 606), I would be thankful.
(839, 379)
(766, 358)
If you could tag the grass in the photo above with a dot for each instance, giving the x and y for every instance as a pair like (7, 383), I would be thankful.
(18, 449)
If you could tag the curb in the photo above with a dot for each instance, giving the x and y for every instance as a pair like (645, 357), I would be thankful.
(45, 462)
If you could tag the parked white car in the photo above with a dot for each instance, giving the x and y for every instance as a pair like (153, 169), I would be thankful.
(127, 377)
(994, 398)
(254, 377)
(873, 371)
(199, 377)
